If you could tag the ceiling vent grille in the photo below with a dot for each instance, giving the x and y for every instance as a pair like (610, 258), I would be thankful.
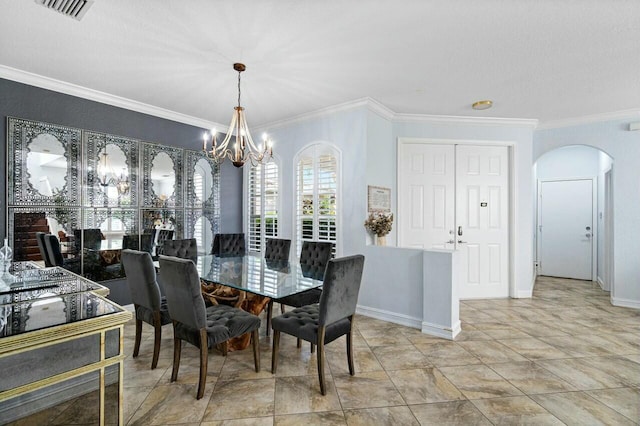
(73, 8)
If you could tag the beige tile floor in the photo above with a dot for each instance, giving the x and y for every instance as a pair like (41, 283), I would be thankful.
(564, 357)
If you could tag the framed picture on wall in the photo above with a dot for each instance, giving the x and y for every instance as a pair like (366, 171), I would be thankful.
(378, 199)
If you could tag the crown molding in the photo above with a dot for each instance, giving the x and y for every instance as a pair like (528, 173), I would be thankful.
(60, 86)
(632, 114)
(463, 120)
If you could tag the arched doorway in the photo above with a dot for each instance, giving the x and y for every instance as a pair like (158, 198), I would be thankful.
(574, 220)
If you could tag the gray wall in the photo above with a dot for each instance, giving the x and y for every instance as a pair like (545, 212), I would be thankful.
(33, 103)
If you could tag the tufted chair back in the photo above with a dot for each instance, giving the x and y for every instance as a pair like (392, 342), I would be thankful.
(163, 235)
(182, 289)
(340, 289)
(184, 249)
(43, 249)
(277, 249)
(141, 278)
(92, 238)
(228, 245)
(314, 258)
(142, 242)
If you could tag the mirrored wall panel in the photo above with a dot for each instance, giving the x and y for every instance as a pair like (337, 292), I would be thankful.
(201, 186)
(43, 163)
(162, 168)
(202, 225)
(112, 170)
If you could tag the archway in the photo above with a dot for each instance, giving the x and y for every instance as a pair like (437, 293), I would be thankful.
(566, 169)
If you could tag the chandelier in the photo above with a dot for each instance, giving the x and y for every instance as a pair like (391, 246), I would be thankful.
(107, 177)
(243, 149)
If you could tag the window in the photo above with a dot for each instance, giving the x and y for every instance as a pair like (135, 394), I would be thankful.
(263, 201)
(317, 195)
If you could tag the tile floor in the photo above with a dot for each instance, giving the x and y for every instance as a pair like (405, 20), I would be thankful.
(564, 357)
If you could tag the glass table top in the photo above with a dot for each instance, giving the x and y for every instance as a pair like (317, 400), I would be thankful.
(275, 279)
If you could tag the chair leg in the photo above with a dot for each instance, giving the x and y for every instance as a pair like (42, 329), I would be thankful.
(313, 348)
(136, 345)
(320, 357)
(224, 347)
(352, 370)
(282, 308)
(204, 358)
(177, 347)
(274, 351)
(299, 343)
(255, 337)
(269, 315)
(157, 338)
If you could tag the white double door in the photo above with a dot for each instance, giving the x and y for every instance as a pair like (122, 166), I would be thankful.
(457, 197)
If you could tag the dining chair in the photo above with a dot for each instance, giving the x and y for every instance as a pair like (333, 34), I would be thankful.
(314, 257)
(150, 306)
(198, 325)
(55, 255)
(329, 319)
(92, 238)
(163, 235)
(229, 245)
(142, 242)
(277, 249)
(184, 249)
(43, 249)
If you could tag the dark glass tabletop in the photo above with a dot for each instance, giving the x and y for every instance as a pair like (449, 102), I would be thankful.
(275, 279)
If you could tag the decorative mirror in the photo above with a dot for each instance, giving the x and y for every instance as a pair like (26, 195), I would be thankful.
(201, 177)
(162, 177)
(43, 165)
(203, 226)
(112, 170)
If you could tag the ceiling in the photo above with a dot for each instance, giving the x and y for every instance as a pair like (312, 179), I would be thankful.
(542, 59)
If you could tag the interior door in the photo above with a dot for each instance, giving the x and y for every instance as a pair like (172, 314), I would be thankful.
(565, 228)
(426, 174)
(482, 220)
(446, 190)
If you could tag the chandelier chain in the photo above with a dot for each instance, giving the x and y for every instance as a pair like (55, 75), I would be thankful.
(239, 73)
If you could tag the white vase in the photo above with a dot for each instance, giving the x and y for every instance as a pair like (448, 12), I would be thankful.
(381, 241)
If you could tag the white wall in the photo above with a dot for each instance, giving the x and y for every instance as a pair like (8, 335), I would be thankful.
(623, 146)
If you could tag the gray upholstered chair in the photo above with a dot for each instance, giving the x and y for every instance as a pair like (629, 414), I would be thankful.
(184, 249)
(56, 258)
(313, 260)
(333, 317)
(149, 305)
(228, 245)
(142, 242)
(277, 249)
(194, 323)
(43, 249)
(163, 235)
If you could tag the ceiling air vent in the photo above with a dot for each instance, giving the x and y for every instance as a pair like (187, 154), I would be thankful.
(73, 8)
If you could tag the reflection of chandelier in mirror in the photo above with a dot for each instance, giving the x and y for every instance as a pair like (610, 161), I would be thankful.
(107, 177)
(243, 149)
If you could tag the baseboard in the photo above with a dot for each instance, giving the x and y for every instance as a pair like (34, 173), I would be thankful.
(625, 303)
(441, 331)
(25, 405)
(389, 316)
(602, 285)
(524, 294)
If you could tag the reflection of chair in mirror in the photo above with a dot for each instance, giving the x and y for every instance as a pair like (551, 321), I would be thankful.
(203, 327)
(163, 235)
(143, 242)
(150, 307)
(184, 249)
(55, 255)
(228, 245)
(43, 249)
(92, 238)
(331, 318)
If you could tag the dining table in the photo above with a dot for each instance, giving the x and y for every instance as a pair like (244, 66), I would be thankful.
(257, 280)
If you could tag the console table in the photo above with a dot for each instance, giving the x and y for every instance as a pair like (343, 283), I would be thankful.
(57, 331)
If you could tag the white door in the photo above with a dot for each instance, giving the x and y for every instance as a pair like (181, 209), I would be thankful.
(565, 228)
(482, 220)
(447, 189)
(426, 178)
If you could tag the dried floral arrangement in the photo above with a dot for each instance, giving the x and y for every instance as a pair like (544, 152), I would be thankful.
(379, 223)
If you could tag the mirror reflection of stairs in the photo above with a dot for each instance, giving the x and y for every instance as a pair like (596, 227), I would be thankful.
(25, 245)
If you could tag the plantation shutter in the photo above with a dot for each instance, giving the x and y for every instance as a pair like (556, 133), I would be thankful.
(263, 193)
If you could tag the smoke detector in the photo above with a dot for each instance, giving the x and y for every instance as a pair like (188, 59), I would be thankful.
(75, 9)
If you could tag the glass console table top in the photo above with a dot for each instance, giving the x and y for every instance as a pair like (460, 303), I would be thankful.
(23, 282)
(256, 275)
(52, 310)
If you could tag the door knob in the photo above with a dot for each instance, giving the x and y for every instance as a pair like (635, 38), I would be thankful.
(460, 231)
(588, 235)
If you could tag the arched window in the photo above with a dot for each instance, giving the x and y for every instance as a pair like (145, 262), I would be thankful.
(263, 201)
(317, 192)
